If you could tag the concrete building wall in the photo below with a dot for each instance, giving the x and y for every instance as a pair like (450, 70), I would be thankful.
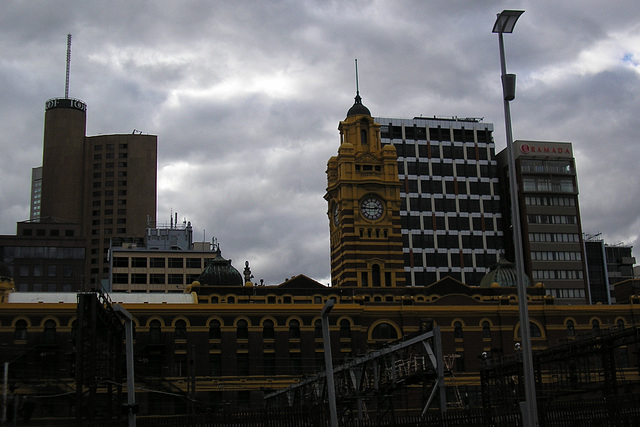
(63, 159)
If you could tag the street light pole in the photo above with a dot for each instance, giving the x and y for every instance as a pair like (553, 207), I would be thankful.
(504, 24)
(331, 388)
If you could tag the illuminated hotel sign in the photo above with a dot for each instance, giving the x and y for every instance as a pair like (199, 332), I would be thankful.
(535, 148)
(76, 104)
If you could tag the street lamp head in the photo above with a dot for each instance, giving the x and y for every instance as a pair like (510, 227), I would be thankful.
(506, 21)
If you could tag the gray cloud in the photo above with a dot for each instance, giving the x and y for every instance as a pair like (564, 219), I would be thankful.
(245, 98)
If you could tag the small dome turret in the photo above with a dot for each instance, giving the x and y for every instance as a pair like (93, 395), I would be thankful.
(220, 272)
(504, 274)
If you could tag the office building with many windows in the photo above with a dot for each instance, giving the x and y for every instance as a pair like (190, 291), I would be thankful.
(166, 260)
(549, 217)
(449, 194)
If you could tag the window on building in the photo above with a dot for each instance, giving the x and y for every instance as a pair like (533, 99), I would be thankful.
(215, 364)
(242, 361)
(457, 330)
(175, 279)
(120, 278)
(20, 332)
(486, 329)
(214, 330)
(317, 327)
(49, 335)
(375, 275)
(138, 278)
(268, 329)
(139, 262)
(294, 329)
(296, 363)
(269, 364)
(120, 261)
(534, 329)
(345, 329)
(157, 262)
(176, 262)
(242, 329)
(194, 263)
(364, 278)
(180, 332)
(571, 328)
(155, 332)
(384, 331)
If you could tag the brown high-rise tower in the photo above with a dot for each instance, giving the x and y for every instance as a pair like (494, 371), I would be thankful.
(106, 183)
(63, 159)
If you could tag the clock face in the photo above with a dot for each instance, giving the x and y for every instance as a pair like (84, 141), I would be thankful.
(371, 208)
(336, 220)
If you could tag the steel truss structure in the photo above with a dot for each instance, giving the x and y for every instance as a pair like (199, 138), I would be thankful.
(99, 358)
(371, 379)
(597, 364)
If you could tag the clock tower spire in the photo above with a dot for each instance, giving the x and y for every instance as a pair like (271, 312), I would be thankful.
(363, 194)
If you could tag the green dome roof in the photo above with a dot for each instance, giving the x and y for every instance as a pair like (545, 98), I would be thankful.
(220, 272)
(358, 108)
(504, 274)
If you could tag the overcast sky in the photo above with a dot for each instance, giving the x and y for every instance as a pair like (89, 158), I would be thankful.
(246, 97)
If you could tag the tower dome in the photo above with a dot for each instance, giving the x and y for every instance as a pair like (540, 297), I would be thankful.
(358, 109)
(504, 274)
(220, 272)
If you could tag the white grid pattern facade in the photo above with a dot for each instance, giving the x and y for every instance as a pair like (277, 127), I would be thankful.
(451, 218)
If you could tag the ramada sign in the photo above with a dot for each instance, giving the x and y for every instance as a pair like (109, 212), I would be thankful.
(544, 149)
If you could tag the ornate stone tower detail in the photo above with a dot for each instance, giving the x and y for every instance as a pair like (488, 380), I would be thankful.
(363, 193)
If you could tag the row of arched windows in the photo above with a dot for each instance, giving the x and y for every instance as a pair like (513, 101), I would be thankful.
(536, 331)
(381, 330)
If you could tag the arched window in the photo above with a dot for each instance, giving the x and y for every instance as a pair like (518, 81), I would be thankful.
(534, 331)
(50, 332)
(155, 331)
(318, 328)
(595, 325)
(180, 330)
(375, 275)
(620, 324)
(486, 329)
(571, 328)
(214, 330)
(242, 329)
(268, 332)
(345, 329)
(294, 329)
(457, 330)
(384, 331)
(363, 136)
(21, 330)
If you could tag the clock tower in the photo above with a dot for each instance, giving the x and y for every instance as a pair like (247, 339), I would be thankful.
(363, 193)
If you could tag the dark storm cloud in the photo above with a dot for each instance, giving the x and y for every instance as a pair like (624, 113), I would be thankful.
(245, 98)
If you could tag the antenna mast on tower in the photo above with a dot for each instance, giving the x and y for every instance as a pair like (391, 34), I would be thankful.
(357, 85)
(66, 86)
